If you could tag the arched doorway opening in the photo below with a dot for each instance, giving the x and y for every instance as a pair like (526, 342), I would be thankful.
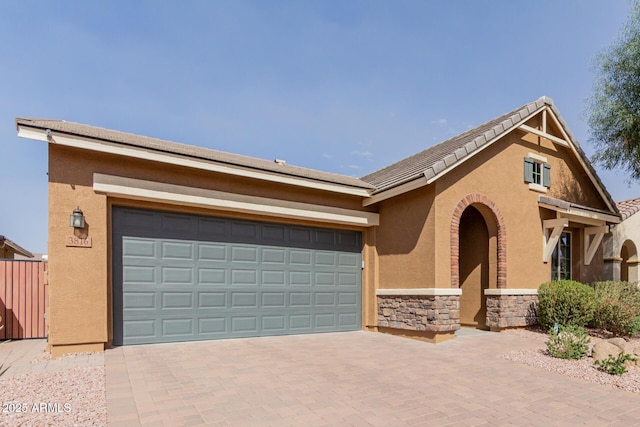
(629, 263)
(478, 263)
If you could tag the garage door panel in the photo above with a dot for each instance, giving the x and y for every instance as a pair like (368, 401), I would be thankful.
(273, 256)
(212, 300)
(177, 327)
(274, 300)
(348, 320)
(300, 278)
(323, 278)
(273, 278)
(300, 321)
(300, 257)
(244, 277)
(142, 328)
(244, 324)
(211, 252)
(177, 250)
(244, 231)
(177, 300)
(211, 228)
(140, 248)
(177, 224)
(273, 234)
(244, 300)
(212, 326)
(139, 301)
(325, 259)
(176, 276)
(274, 324)
(212, 278)
(139, 274)
(244, 254)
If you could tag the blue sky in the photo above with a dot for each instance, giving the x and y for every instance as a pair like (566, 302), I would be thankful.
(339, 86)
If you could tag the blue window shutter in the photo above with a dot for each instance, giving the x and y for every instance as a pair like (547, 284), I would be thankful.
(546, 175)
(528, 169)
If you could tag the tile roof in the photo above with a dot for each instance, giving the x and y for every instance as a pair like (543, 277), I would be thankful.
(112, 137)
(628, 207)
(16, 248)
(430, 162)
(439, 157)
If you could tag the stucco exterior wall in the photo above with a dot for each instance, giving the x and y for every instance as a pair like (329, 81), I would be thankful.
(628, 231)
(405, 241)
(79, 312)
(414, 236)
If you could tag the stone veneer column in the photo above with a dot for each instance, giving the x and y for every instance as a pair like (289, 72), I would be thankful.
(432, 314)
(509, 308)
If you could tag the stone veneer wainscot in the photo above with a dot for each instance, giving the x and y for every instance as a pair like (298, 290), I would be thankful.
(430, 309)
(510, 308)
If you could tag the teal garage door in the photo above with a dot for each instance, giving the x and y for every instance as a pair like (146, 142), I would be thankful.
(179, 277)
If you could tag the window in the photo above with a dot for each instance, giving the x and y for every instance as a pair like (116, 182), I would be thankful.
(537, 172)
(561, 258)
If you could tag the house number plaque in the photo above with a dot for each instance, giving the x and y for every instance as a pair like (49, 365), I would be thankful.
(78, 242)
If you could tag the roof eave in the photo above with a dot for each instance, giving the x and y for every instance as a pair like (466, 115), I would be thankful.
(30, 131)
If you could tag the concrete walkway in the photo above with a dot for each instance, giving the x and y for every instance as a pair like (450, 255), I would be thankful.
(29, 356)
(357, 379)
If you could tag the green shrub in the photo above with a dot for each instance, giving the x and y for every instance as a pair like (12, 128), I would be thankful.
(565, 302)
(568, 342)
(614, 365)
(617, 308)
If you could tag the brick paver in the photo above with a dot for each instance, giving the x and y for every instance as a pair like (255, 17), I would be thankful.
(355, 379)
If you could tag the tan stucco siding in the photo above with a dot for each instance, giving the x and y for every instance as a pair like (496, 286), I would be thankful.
(77, 276)
(497, 172)
(80, 298)
(405, 240)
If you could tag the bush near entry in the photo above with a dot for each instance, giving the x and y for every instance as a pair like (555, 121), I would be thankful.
(566, 303)
(568, 342)
(617, 308)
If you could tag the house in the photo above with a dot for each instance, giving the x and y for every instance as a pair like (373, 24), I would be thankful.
(9, 249)
(620, 246)
(153, 241)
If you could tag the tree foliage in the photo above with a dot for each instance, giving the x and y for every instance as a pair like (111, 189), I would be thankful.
(614, 107)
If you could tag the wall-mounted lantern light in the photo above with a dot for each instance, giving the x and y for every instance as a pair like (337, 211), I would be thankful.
(77, 218)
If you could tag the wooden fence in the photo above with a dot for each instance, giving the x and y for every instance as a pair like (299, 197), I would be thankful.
(23, 299)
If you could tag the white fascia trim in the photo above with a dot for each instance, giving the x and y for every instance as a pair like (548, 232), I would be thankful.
(579, 157)
(136, 189)
(511, 292)
(395, 191)
(582, 216)
(140, 153)
(485, 145)
(419, 292)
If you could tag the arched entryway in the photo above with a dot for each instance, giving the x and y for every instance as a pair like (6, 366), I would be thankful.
(474, 268)
(629, 264)
(478, 255)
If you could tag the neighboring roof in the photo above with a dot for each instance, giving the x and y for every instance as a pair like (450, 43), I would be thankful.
(108, 136)
(432, 161)
(4, 242)
(628, 207)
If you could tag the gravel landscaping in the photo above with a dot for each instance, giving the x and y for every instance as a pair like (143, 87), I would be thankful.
(583, 368)
(58, 392)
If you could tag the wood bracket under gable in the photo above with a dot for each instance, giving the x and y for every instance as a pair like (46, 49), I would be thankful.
(552, 231)
(592, 238)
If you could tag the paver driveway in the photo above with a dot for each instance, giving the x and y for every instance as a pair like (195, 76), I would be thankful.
(355, 378)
